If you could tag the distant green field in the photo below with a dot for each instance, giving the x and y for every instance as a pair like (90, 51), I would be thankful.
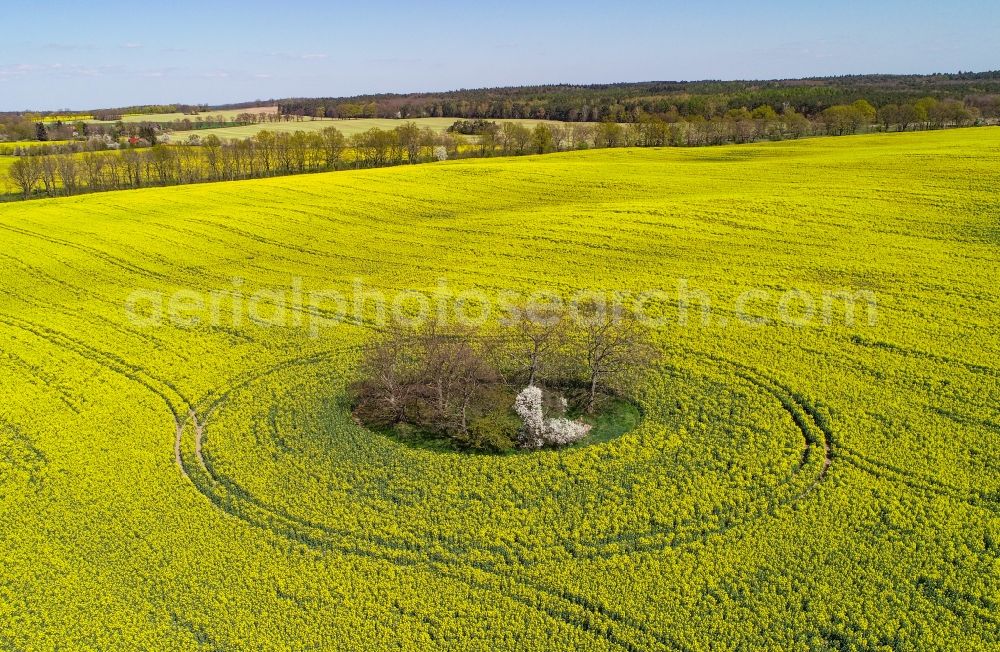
(228, 114)
(348, 127)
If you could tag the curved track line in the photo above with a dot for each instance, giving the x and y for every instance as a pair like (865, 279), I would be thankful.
(805, 418)
(229, 497)
(137, 374)
(304, 531)
(578, 614)
(922, 484)
(576, 611)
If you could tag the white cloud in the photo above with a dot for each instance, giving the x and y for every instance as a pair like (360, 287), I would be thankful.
(24, 69)
(298, 56)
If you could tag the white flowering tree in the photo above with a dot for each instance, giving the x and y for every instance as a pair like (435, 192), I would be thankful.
(539, 431)
(528, 406)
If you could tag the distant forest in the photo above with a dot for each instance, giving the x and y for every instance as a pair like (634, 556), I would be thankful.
(623, 102)
(626, 102)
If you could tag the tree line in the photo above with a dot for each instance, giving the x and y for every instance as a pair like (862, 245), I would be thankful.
(82, 166)
(265, 154)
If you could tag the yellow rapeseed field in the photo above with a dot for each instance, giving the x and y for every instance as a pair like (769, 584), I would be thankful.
(179, 469)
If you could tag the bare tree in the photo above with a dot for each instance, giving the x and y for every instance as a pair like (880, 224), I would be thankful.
(435, 378)
(537, 335)
(542, 139)
(190, 165)
(470, 377)
(212, 147)
(387, 390)
(93, 170)
(283, 152)
(48, 166)
(607, 134)
(488, 139)
(315, 155)
(298, 146)
(521, 138)
(615, 346)
(113, 169)
(429, 142)
(25, 172)
(376, 147)
(461, 384)
(69, 174)
(134, 164)
(164, 162)
(505, 138)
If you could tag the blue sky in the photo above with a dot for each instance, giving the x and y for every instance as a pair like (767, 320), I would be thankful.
(73, 55)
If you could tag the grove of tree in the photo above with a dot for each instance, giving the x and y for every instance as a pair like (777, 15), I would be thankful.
(462, 384)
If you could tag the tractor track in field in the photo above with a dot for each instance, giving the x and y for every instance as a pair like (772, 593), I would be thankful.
(920, 484)
(885, 471)
(45, 378)
(103, 359)
(110, 259)
(572, 610)
(231, 498)
(565, 607)
(816, 438)
(816, 433)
